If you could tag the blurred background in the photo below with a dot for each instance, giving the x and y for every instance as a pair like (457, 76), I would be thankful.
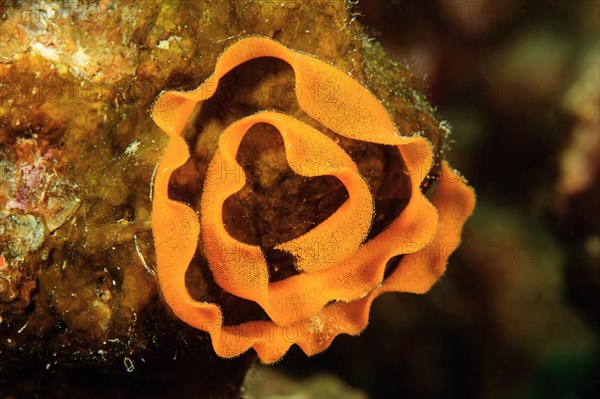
(517, 313)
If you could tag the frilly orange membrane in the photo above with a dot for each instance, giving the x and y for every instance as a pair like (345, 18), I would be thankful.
(336, 285)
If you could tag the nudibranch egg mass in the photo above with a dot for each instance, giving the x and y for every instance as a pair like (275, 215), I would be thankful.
(325, 298)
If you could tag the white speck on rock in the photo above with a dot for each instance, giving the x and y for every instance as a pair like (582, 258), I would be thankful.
(132, 148)
(49, 53)
(166, 44)
(80, 58)
(163, 44)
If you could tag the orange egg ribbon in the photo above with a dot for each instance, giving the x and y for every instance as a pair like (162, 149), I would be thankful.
(340, 274)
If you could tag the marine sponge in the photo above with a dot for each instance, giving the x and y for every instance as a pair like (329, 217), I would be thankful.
(327, 297)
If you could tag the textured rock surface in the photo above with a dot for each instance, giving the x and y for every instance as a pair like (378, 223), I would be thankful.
(77, 154)
(266, 382)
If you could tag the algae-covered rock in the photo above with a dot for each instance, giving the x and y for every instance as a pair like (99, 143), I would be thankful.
(263, 382)
(78, 151)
